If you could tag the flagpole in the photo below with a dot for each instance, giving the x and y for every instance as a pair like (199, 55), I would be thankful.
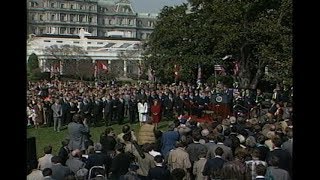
(95, 70)
(215, 77)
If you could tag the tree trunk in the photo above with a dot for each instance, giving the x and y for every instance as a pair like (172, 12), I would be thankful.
(255, 80)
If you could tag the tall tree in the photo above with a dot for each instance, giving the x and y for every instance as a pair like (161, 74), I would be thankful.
(73, 60)
(33, 62)
(255, 33)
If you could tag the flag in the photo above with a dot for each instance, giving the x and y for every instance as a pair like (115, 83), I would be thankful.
(102, 66)
(150, 74)
(236, 68)
(199, 73)
(219, 69)
(95, 70)
(176, 70)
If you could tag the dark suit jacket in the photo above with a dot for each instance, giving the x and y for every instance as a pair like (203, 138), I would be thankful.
(120, 165)
(64, 154)
(108, 143)
(285, 161)
(59, 171)
(98, 159)
(158, 173)
(213, 165)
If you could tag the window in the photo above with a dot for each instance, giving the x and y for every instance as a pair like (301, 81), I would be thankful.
(130, 22)
(61, 6)
(110, 21)
(88, 42)
(41, 17)
(71, 17)
(71, 6)
(62, 17)
(139, 22)
(99, 42)
(81, 7)
(33, 17)
(52, 17)
(41, 30)
(52, 5)
(33, 30)
(90, 19)
(63, 30)
(59, 41)
(72, 30)
(76, 42)
(90, 8)
(32, 4)
(81, 17)
(46, 41)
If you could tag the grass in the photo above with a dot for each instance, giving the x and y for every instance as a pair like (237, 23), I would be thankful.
(46, 136)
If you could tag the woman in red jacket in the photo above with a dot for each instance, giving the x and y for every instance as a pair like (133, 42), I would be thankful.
(156, 112)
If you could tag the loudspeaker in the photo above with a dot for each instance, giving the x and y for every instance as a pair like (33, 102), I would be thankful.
(31, 153)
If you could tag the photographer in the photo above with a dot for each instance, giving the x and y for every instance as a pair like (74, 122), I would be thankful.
(78, 131)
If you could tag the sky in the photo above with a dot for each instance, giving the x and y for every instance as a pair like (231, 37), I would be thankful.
(153, 6)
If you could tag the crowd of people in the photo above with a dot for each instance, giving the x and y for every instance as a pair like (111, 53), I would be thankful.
(252, 140)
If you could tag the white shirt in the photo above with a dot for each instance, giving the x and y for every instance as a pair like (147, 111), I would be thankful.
(45, 162)
(36, 174)
(154, 153)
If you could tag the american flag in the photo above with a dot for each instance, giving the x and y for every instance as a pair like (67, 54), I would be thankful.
(199, 73)
(176, 70)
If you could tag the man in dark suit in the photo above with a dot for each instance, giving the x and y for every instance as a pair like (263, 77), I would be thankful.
(98, 159)
(58, 170)
(215, 164)
(159, 172)
(168, 106)
(285, 160)
(97, 107)
(132, 103)
(120, 163)
(179, 105)
(108, 110)
(64, 151)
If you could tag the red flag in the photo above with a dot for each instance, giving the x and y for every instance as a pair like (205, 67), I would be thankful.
(102, 66)
(236, 68)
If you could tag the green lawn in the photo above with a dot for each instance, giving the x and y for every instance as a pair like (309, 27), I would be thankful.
(46, 136)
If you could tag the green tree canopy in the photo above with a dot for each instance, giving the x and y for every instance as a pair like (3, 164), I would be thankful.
(256, 33)
(33, 63)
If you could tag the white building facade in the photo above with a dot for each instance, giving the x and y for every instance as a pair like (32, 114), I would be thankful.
(106, 30)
